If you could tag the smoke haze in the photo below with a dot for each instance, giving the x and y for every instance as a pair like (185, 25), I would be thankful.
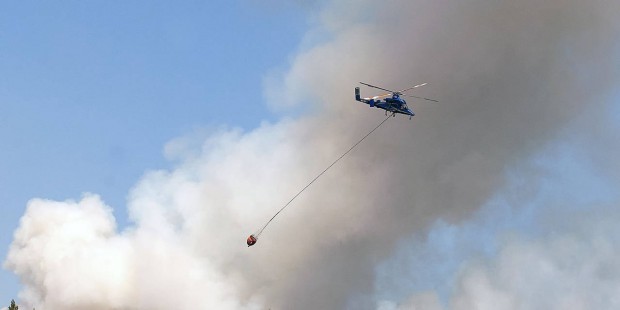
(572, 267)
(511, 76)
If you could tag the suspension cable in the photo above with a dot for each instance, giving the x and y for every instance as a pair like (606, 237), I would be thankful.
(320, 174)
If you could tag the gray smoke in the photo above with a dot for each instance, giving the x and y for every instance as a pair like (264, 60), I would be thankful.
(510, 76)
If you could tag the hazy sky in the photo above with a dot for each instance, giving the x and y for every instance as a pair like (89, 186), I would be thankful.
(143, 142)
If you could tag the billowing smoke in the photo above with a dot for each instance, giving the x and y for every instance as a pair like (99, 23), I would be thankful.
(510, 76)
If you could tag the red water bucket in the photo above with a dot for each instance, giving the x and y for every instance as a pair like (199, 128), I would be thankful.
(251, 240)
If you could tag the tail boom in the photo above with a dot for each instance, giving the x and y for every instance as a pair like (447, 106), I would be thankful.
(359, 98)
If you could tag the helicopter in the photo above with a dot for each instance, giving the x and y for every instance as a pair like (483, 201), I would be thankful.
(394, 104)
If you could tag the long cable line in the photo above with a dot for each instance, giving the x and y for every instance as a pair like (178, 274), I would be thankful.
(318, 176)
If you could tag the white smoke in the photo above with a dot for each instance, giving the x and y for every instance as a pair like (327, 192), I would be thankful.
(509, 74)
(75, 259)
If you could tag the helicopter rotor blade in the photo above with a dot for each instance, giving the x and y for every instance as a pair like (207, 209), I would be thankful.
(433, 100)
(410, 88)
(377, 87)
(381, 96)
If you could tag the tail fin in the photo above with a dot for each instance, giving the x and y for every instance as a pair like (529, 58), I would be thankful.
(357, 94)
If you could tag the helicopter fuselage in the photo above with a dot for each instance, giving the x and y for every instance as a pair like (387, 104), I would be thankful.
(394, 104)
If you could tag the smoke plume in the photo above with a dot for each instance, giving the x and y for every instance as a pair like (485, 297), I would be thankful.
(510, 76)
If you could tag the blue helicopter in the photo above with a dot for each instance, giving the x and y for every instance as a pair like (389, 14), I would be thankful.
(393, 103)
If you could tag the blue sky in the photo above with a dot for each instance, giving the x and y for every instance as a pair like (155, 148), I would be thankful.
(91, 91)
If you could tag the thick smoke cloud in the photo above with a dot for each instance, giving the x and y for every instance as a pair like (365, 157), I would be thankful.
(510, 76)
